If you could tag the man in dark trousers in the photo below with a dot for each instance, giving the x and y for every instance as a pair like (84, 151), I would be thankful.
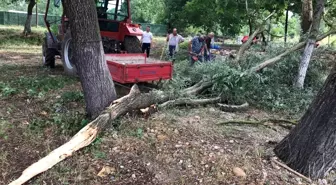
(147, 40)
(174, 39)
(196, 48)
(208, 41)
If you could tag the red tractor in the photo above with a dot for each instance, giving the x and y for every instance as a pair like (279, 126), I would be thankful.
(118, 33)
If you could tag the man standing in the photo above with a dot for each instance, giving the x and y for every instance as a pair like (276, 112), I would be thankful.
(174, 40)
(196, 47)
(209, 42)
(146, 39)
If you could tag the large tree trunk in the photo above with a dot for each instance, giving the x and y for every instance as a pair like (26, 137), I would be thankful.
(305, 59)
(307, 15)
(310, 148)
(27, 27)
(88, 56)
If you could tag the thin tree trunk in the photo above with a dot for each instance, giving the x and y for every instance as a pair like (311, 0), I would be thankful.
(305, 59)
(308, 51)
(269, 37)
(27, 27)
(307, 15)
(88, 55)
(310, 148)
(286, 25)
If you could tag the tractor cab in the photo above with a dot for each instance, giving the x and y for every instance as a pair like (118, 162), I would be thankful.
(114, 19)
(116, 10)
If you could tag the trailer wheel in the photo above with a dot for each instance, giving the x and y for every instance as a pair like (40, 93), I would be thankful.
(132, 44)
(69, 67)
(48, 55)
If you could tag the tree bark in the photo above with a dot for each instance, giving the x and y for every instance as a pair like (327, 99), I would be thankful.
(277, 58)
(308, 51)
(27, 27)
(310, 148)
(286, 24)
(307, 15)
(88, 56)
(305, 59)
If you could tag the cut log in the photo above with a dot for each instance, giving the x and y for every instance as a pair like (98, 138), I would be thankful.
(277, 58)
(233, 108)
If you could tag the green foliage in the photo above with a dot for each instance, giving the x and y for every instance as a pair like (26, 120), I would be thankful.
(13, 37)
(272, 89)
(99, 154)
(72, 96)
(6, 90)
(68, 123)
(36, 86)
(147, 11)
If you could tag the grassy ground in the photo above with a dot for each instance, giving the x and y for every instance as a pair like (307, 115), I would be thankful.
(41, 109)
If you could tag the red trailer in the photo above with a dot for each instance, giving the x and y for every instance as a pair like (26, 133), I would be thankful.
(134, 68)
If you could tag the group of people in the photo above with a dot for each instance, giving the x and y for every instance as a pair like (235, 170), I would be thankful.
(199, 46)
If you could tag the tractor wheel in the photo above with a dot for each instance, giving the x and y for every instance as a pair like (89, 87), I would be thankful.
(48, 55)
(132, 44)
(69, 67)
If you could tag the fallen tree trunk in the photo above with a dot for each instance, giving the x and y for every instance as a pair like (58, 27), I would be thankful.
(135, 100)
(277, 58)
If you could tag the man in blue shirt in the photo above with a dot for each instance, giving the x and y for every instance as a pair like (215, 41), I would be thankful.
(196, 47)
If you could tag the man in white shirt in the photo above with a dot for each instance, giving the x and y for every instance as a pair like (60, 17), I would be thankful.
(146, 40)
(174, 40)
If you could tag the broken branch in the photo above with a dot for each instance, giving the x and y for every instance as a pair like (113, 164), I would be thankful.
(298, 46)
(233, 108)
(291, 170)
(261, 122)
(189, 101)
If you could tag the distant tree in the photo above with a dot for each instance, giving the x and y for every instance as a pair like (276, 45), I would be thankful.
(149, 11)
(27, 26)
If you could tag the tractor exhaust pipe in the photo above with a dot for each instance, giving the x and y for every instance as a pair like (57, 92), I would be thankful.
(46, 21)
